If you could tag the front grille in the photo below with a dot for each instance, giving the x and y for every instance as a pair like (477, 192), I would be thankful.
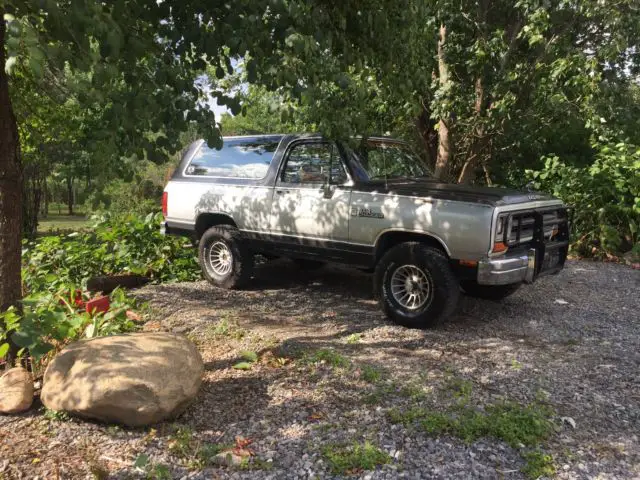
(545, 231)
(525, 229)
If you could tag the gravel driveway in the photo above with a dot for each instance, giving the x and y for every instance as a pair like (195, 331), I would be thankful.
(332, 372)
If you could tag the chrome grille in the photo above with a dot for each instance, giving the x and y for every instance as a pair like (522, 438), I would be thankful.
(523, 227)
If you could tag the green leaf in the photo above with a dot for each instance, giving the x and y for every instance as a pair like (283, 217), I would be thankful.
(249, 356)
(4, 349)
(141, 461)
(242, 366)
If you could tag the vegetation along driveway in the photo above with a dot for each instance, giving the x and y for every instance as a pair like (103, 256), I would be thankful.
(306, 379)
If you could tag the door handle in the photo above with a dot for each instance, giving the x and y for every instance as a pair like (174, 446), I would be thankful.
(280, 192)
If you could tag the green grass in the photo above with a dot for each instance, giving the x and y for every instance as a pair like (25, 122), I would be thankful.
(371, 374)
(352, 459)
(62, 223)
(539, 464)
(328, 356)
(353, 338)
(510, 422)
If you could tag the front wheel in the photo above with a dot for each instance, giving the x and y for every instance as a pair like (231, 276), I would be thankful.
(488, 292)
(224, 258)
(415, 285)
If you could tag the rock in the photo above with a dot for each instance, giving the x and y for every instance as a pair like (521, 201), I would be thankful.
(16, 391)
(136, 379)
(228, 459)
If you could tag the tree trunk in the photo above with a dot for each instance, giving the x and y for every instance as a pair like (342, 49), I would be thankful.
(444, 141)
(428, 135)
(10, 191)
(45, 205)
(70, 194)
(479, 142)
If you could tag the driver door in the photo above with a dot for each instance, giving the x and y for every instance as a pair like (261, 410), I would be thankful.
(312, 196)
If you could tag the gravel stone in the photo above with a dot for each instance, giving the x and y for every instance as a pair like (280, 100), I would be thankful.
(581, 355)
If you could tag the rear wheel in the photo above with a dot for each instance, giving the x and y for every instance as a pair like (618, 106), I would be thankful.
(415, 285)
(488, 292)
(225, 260)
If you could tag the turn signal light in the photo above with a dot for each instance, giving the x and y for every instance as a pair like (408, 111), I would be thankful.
(499, 247)
(469, 263)
(165, 200)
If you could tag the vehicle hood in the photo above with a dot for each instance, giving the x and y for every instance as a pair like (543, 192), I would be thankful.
(449, 191)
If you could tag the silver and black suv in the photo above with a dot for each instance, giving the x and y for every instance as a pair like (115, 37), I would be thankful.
(369, 203)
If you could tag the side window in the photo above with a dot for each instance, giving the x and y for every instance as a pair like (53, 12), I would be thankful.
(312, 163)
(238, 158)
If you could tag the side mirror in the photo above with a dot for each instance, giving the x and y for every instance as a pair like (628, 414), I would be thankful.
(327, 188)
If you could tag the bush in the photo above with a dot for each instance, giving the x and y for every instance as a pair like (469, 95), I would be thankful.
(47, 322)
(605, 197)
(115, 245)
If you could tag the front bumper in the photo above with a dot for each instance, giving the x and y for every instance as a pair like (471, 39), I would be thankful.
(514, 268)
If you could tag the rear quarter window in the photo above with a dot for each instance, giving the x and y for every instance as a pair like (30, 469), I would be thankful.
(238, 158)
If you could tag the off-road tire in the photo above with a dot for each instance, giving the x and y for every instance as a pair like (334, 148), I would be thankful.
(444, 287)
(488, 292)
(241, 262)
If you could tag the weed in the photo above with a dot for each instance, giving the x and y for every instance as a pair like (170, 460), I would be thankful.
(539, 464)
(516, 365)
(56, 416)
(350, 459)
(414, 390)
(371, 374)
(406, 417)
(226, 328)
(195, 454)
(249, 356)
(353, 338)
(113, 430)
(460, 388)
(328, 356)
(180, 443)
(513, 423)
(154, 471)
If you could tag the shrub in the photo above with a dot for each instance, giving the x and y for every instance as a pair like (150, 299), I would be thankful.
(605, 197)
(115, 245)
(47, 322)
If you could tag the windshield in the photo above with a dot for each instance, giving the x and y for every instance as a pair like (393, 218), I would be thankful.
(377, 160)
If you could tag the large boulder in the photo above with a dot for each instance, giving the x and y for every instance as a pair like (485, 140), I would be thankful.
(16, 391)
(136, 379)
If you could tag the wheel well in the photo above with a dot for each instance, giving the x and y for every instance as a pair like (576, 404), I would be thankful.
(391, 239)
(208, 220)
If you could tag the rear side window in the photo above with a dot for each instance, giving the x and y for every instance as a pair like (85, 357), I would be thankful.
(238, 158)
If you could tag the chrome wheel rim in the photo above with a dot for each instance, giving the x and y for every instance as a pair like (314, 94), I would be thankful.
(220, 258)
(411, 287)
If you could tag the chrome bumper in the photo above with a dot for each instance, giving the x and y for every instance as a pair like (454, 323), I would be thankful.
(507, 269)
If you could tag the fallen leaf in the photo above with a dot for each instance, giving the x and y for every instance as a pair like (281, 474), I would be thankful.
(133, 316)
(559, 301)
(316, 416)
(242, 442)
(242, 366)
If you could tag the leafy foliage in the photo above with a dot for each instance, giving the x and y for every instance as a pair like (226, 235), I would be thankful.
(605, 197)
(116, 245)
(48, 321)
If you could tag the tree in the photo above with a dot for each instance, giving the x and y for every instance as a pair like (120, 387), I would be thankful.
(136, 67)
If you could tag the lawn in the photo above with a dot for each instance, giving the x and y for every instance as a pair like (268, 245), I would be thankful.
(62, 223)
